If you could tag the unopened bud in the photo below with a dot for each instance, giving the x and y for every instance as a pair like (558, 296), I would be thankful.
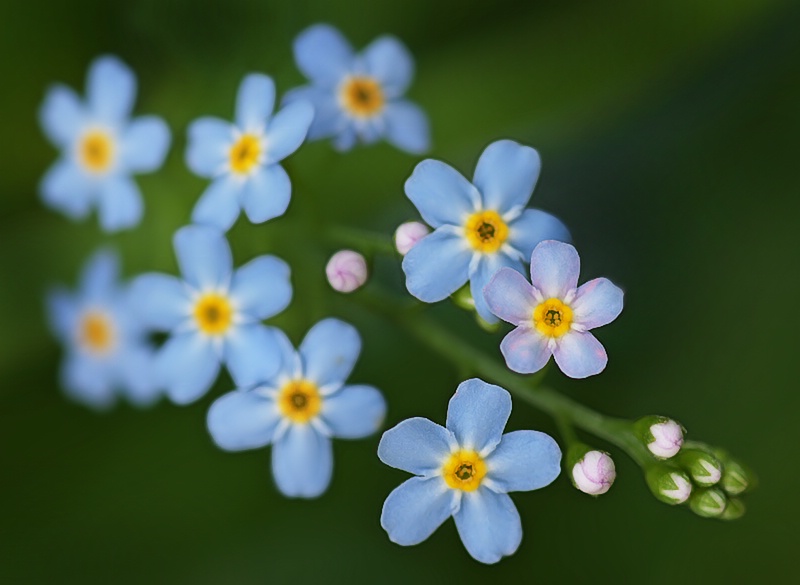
(346, 271)
(669, 485)
(408, 234)
(594, 473)
(708, 503)
(734, 510)
(663, 436)
(736, 479)
(703, 467)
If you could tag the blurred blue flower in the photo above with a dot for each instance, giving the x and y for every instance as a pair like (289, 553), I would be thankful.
(553, 315)
(466, 471)
(480, 227)
(301, 408)
(107, 349)
(359, 96)
(242, 158)
(213, 315)
(101, 147)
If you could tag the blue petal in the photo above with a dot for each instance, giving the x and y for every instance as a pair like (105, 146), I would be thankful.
(261, 288)
(329, 351)
(487, 267)
(210, 140)
(287, 130)
(302, 462)
(354, 412)
(289, 358)
(255, 102)
(597, 303)
(252, 354)
(416, 445)
(580, 355)
(477, 415)
(345, 139)
(186, 366)
(416, 508)
(139, 383)
(61, 115)
(160, 301)
(120, 204)
(242, 420)
(66, 188)
(88, 381)
(441, 194)
(267, 194)
(99, 276)
(523, 461)
(506, 174)
(328, 117)
(510, 297)
(489, 525)
(145, 144)
(62, 313)
(407, 127)
(204, 257)
(388, 60)
(525, 350)
(111, 89)
(533, 227)
(219, 204)
(323, 54)
(437, 266)
(555, 267)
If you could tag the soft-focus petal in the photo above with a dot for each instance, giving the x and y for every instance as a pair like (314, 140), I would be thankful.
(354, 412)
(555, 267)
(597, 303)
(323, 54)
(288, 129)
(488, 266)
(266, 194)
(145, 144)
(489, 525)
(242, 420)
(416, 508)
(219, 204)
(407, 127)
(388, 60)
(440, 193)
(329, 351)
(477, 414)
(302, 462)
(210, 140)
(61, 115)
(204, 256)
(416, 445)
(506, 174)
(88, 381)
(524, 460)
(254, 102)
(525, 350)
(252, 354)
(510, 297)
(160, 301)
(99, 276)
(186, 366)
(437, 266)
(533, 227)
(137, 376)
(261, 288)
(66, 188)
(111, 89)
(345, 139)
(62, 312)
(120, 204)
(328, 117)
(580, 355)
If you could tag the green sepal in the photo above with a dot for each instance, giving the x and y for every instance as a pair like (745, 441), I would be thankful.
(703, 467)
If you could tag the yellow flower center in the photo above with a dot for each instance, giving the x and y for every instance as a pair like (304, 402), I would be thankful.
(213, 313)
(552, 318)
(464, 470)
(245, 153)
(96, 151)
(96, 332)
(299, 401)
(361, 96)
(486, 231)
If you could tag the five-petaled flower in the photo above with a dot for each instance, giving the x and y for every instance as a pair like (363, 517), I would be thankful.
(100, 147)
(480, 227)
(242, 159)
(552, 314)
(301, 408)
(214, 315)
(466, 471)
(359, 96)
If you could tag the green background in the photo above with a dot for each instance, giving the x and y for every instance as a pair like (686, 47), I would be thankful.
(668, 133)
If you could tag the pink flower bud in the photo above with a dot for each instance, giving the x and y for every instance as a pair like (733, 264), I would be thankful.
(595, 473)
(346, 271)
(408, 234)
(667, 439)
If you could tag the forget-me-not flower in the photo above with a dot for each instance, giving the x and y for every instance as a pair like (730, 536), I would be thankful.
(552, 314)
(242, 158)
(301, 408)
(213, 315)
(480, 227)
(466, 471)
(101, 147)
(107, 348)
(359, 97)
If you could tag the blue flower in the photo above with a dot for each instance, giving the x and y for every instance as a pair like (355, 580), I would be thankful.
(466, 471)
(359, 96)
(480, 227)
(107, 349)
(553, 315)
(299, 409)
(101, 147)
(213, 315)
(242, 158)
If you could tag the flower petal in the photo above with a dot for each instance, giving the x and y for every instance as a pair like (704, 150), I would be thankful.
(389, 61)
(145, 143)
(62, 313)
(88, 381)
(597, 303)
(66, 188)
(137, 377)
(437, 266)
(477, 414)
(120, 204)
(252, 354)
(523, 461)
(160, 301)
(242, 420)
(416, 445)
(510, 297)
(416, 508)
(186, 366)
(555, 267)
(255, 102)
(266, 194)
(354, 412)
(345, 139)
(287, 130)
(99, 276)
(204, 256)
(533, 227)
(261, 288)
(328, 117)
(506, 174)
(329, 351)
(110, 89)
(323, 54)
(407, 127)
(580, 355)
(302, 462)
(487, 266)
(210, 140)
(219, 205)
(489, 525)
(61, 115)
(441, 194)
(525, 350)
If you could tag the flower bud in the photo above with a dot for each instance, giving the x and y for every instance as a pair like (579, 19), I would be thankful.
(594, 473)
(669, 485)
(663, 436)
(346, 271)
(408, 234)
(734, 510)
(703, 467)
(708, 503)
(736, 479)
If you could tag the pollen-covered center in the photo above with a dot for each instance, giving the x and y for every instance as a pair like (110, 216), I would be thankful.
(245, 153)
(464, 470)
(299, 400)
(96, 332)
(213, 313)
(361, 96)
(486, 231)
(96, 151)
(552, 318)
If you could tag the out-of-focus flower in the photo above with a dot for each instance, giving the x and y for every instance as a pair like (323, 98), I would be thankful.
(408, 234)
(346, 271)
(101, 147)
(708, 503)
(594, 473)
(299, 409)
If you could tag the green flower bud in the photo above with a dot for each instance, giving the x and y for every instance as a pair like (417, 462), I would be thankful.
(668, 484)
(702, 466)
(734, 510)
(708, 503)
(736, 478)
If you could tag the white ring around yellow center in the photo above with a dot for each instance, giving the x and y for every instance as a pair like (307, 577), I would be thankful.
(552, 318)
(96, 332)
(486, 231)
(464, 470)
(299, 400)
(361, 96)
(246, 153)
(96, 151)
(213, 313)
